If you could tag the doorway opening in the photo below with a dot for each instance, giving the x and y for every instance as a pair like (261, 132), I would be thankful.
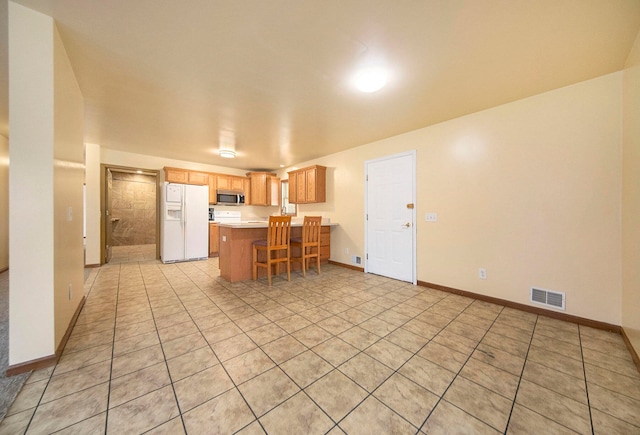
(130, 221)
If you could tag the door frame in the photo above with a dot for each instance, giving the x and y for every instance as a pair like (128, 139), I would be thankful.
(103, 215)
(412, 154)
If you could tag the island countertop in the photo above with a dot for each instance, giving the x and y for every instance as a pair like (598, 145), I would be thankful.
(236, 246)
(264, 224)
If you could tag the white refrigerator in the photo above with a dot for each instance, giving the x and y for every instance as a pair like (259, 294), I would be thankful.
(184, 223)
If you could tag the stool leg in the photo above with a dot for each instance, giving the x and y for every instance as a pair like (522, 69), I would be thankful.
(255, 263)
(303, 263)
(269, 267)
(288, 263)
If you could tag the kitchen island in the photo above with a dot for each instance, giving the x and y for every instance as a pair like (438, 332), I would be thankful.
(236, 252)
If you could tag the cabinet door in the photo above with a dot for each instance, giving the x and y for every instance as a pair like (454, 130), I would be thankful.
(213, 185)
(325, 243)
(224, 182)
(293, 189)
(198, 178)
(246, 188)
(301, 187)
(237, 183)
(258, 194)
(310, 179)
(214, 240)
(173, 175)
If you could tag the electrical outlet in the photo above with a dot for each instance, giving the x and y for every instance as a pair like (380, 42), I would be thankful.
(346, 251)
(431, 217)
(482, 273)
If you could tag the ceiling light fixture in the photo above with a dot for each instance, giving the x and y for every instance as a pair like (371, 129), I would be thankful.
(227, 140)
(227, 154)
(370, 80)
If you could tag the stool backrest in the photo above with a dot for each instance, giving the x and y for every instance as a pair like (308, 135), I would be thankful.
(311, 229)
(279, 231)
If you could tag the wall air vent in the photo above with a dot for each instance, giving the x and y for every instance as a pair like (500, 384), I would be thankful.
(356, 259)
(549, 298)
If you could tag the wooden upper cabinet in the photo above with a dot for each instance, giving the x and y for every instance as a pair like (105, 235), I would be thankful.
(175, 175)
(308, 185)
(258, 182)
(293, 188)
(198, 178)
(265, 189)
(230, 182)
(185, 176)
(301, 187)
(224, 181)
(239, 183)
(213, 186)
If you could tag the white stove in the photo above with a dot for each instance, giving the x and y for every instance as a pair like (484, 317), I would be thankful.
(227, 217)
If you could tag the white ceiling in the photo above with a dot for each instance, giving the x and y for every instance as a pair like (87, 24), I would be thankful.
(169, 78)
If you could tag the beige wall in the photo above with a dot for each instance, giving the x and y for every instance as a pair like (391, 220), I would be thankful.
(4, 202)
(31, 313)
(92, 206)
(631, 198)
(529, 190)
(46, 112)
(68, 179)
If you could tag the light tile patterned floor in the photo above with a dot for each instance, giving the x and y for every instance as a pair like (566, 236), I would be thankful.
(174, 349)
(126, 254)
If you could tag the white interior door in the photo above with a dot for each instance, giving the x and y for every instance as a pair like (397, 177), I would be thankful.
(390, 216)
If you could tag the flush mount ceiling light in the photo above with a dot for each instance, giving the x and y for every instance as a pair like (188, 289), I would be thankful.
(370, 80)
(227, 148)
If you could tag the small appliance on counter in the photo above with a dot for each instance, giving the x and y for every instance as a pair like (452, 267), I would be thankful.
(211, 214)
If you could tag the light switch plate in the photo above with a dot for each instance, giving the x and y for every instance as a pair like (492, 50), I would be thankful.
(431, 217)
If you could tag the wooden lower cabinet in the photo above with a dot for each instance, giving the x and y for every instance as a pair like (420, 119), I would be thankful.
(325, 244)
(214, 240)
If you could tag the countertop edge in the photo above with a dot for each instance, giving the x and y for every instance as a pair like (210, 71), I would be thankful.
(264, 225)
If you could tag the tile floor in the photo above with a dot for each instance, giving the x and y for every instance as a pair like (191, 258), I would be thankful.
(126, 254)
(174, 348)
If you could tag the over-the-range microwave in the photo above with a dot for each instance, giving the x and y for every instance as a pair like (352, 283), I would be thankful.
(229, 197)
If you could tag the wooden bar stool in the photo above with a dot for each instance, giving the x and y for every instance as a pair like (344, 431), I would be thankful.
(278, 234)
(309, 243)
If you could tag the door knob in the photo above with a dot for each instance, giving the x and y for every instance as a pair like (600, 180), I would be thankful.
(407, 225)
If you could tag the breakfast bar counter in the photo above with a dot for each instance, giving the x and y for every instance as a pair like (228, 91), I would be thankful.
(236, 252)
